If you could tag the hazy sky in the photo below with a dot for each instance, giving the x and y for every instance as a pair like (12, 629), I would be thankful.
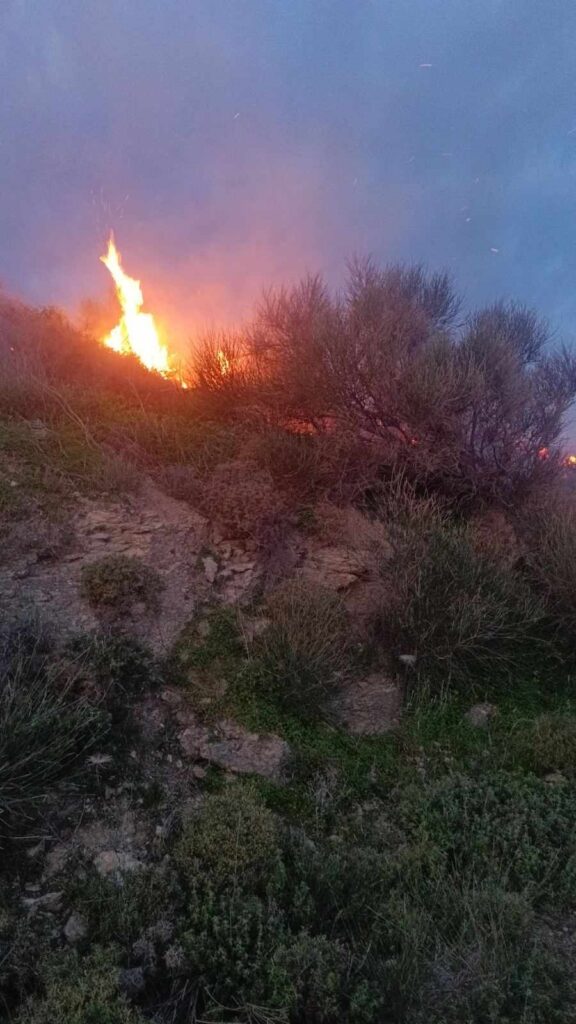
(236, 143)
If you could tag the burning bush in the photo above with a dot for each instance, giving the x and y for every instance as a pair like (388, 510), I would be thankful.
(466, 408)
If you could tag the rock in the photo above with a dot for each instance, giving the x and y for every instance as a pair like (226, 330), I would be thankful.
(48, 901)
(210, 568)
(199, 772)
(370, 706)
(55, 861)
(132, 981)
(76, 928)
(480, 714)
(555, 779)
(114, 862)
(408, 659)
(332, 567)
(230, 746)
(171, 697)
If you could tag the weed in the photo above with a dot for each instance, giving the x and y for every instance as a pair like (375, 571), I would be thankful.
(117, 582)
(46, 730)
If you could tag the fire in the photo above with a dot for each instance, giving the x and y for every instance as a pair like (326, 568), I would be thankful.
(223, 362)
(136, 331)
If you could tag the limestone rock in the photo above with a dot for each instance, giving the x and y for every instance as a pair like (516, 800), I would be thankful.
(370, 706)
(230, 746)
(333, 567)
(210, 568)
(76, 928)
(115, 862)
(479, 715)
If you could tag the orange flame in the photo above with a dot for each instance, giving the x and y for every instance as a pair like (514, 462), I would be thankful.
(136, 331)
(223, 362)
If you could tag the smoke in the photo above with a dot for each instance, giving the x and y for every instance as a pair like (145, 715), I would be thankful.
(236, 144)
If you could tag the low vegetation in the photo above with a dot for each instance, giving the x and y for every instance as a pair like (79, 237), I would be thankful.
(423, 875)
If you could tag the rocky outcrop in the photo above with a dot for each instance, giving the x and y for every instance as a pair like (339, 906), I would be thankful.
(368, 707)
(228, 745)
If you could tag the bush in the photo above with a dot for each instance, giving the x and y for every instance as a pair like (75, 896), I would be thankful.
(467, 620)
(117, 582)
(502, 828)
(234, 837)
(545, 744)
(80, 992)
(242, 499)
(46, 731)
(549, 530)
(467, 409)
(306, 651)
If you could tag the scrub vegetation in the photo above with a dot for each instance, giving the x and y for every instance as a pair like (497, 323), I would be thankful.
(419, 874)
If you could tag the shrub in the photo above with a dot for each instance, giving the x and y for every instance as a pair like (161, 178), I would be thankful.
(117, 582)
(501, 827)
(545, 744)
(307, 650)
(80, 992)
(549, 530)
(115, 669)
(466, 619)
(46, 731)
(466, 409)
(242, 499)
(234, 837)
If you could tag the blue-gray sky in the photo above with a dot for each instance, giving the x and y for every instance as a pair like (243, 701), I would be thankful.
(235, 143)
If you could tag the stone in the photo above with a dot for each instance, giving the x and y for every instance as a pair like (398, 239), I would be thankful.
(368, 707)
(48, 901)
(407, 659)
(76, 928)
(479, 715)
(114, 862)
(210, 568)
(555, 779)
(132, 981)
(332, 567)
(230, 746)
(55, 861)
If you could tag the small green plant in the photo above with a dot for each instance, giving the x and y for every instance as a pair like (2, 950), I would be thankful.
(117, 582)
(234, 836)
(81, 991)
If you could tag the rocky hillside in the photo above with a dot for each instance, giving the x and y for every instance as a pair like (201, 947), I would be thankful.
(287, 721)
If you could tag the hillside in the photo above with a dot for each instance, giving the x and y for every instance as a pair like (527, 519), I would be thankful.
(287, 713)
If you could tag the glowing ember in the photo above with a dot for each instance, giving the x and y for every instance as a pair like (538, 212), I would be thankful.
(136, 331)
(223, 362)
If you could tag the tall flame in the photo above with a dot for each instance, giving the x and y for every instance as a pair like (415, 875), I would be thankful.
(136, 331)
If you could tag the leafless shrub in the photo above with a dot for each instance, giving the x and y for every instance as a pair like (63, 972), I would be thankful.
(466, 408)
(549, 531)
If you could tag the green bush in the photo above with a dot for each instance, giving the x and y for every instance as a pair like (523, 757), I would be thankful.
(80, 991)
(465, 619)
(233, 837)
(544, 744)
(307, 649)
(117, 582)
(46, 731)
(516, 830)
